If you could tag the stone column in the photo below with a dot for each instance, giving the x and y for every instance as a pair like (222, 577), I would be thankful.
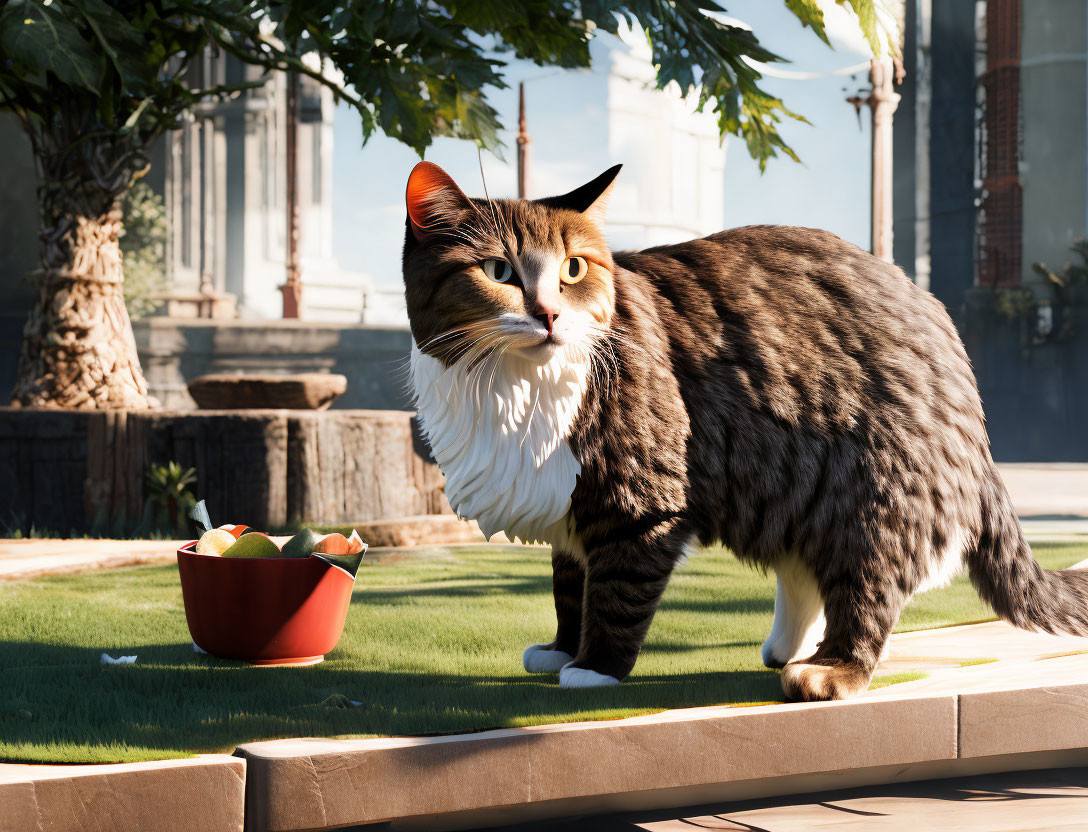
(882, 103)
(524, 140)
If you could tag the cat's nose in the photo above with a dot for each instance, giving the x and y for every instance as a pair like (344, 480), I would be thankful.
(547, 318)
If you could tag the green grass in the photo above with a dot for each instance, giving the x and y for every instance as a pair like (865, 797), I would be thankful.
(431, 645)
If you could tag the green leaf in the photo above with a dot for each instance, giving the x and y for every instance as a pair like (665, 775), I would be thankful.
(810, 14)
(41, 38)
(121, 42)
(869, 22)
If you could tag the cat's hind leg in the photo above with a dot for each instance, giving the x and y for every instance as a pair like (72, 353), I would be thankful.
(861, 611)
(798, 615)
(568, 583)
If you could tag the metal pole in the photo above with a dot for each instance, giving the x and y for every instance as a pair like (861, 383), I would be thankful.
(524, 140)
(292, 288)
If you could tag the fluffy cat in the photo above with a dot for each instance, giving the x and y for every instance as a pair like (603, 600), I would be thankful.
(772, 388)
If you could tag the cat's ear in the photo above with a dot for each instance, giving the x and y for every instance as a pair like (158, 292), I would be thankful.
(434, 201)
(591, 199)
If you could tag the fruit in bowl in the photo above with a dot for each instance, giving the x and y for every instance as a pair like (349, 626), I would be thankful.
(246, 598)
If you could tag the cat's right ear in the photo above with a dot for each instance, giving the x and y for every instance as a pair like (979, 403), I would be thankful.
(434, 201)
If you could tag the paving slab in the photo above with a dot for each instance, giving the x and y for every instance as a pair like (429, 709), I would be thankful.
(202, 794)
(1047, 489)
(1055, 799)
(411, 537)
(33, 557)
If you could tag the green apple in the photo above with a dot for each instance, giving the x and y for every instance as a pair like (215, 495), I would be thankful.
(301, 545)
(253, 545)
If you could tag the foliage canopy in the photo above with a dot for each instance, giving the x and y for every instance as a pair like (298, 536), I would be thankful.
(412, 70)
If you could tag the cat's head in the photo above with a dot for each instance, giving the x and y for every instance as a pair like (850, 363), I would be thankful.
(532, 276)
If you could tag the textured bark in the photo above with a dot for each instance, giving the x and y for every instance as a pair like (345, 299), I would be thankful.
(78, 349)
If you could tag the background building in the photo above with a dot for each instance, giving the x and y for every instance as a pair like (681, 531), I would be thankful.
(991, 142)
(223, 176)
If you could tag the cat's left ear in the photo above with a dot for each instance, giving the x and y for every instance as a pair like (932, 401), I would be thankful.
(434, 201)
(591, 199)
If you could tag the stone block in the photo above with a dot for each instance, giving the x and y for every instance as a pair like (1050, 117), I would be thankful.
(202, 794)
(421, 530)
(322, 784)
(233, 391)
(1026, 719)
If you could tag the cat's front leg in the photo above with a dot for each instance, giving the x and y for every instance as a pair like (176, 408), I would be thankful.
(624, 583)
(568, 583)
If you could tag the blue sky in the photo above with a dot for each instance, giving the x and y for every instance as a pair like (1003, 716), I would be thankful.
(829, 189)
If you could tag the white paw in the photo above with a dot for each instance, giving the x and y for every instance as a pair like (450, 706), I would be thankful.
(581, 677)
(540, 659)
(768, 654)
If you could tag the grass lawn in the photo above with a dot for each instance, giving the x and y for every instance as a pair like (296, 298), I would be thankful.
(432, 645)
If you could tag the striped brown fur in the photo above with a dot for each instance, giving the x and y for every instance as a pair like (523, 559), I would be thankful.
(787, 394)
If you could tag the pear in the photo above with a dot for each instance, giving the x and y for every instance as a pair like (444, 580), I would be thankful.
(253, 545)
(301, 545)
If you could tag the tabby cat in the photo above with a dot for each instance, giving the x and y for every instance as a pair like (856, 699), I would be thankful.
(772, 388)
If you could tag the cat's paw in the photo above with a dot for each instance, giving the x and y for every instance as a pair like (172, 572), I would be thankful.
(819, 682)
(540, 658)
(583, 677)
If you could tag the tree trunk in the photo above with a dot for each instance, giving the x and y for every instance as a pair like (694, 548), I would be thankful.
(78, 348)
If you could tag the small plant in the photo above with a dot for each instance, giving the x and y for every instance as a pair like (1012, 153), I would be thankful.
(1048, 320)
(170, 495)
(143, 245)
(1015, 303)
(1068, 288)
(1070, 283)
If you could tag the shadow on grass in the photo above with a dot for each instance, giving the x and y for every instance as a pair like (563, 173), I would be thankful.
(54, 697)
(440, 588)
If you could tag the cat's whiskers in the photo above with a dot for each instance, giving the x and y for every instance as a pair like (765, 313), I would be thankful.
(529, 421)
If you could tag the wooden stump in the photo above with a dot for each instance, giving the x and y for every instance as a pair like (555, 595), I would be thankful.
(240, 458)
(83, 471)
(351, 465)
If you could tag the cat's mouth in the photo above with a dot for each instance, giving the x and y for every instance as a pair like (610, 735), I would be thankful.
(542, 351)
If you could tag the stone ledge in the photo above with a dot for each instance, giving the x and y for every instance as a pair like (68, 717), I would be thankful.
(675, 758)
(1032, 719)
(422, 530)
(317, 784)
(202, 794)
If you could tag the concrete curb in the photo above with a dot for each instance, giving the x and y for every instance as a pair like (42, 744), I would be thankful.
(201, 794)
(671, 759)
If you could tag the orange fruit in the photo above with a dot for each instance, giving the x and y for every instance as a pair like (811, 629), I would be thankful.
(337, 544)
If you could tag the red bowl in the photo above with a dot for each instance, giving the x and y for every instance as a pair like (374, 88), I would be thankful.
(263, 610)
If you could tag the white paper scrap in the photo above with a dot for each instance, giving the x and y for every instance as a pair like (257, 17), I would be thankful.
(108, 659)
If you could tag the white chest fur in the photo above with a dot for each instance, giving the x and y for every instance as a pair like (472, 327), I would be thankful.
(499, 433)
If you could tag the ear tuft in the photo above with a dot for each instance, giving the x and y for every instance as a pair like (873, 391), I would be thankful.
(590, 199)
(433, 199)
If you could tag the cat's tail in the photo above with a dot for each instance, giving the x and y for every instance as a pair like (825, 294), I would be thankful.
(1017, 588)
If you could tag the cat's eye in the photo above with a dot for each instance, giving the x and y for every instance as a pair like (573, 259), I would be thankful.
(574, 269)
(498, 270)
